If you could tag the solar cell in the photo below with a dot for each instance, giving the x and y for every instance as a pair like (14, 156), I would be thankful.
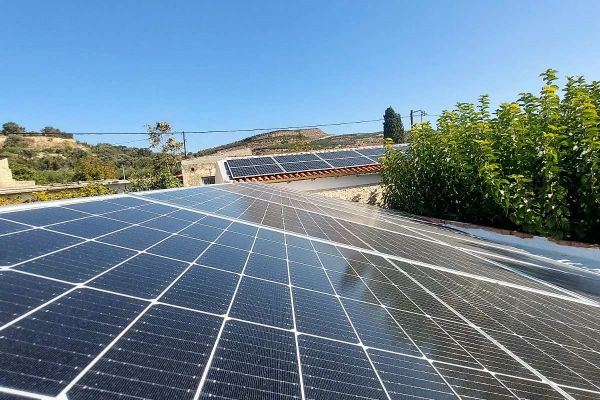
(43, 216)
(10, 227)
(161, 302)
(266, 267)
(21, 293)
(409, 377)
(313, 165)
(350, 162)
(90, 227)
(46, 350)
(322, 315)
(203, 289)
(253, 362)
(143, 276)
(330, 155)
(135, 237)
(77, 264)
(162, 356)
(263, 302)
(181, 248)
(337, 370)
(26, 245)
(292, 158)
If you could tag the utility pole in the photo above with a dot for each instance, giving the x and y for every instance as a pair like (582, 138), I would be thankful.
(421, 115)
(123, 166)
(184, 146)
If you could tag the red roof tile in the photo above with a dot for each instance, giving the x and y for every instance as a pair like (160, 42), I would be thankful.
(296, 176)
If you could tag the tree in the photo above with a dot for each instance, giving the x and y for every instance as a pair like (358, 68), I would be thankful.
(166, 163)
(392, 126)
(12, 128)
(90, 168)
(52, 131)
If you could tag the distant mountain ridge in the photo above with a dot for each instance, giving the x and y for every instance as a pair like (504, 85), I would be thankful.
(286, 141)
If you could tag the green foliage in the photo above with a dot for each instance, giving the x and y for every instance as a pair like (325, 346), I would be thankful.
(55, 132)
(392, 126)
(90, 168)
(67, 164)
(12, 128)
(93, 189)
(165, 164)
(534, 165)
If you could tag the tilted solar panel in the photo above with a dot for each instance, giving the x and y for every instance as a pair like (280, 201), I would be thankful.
(329, 155)
(351, 162)
(251, 292)
(288, 158)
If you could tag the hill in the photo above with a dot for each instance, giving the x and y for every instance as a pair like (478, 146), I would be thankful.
(51, 159)
(48, 160)
(294, 140)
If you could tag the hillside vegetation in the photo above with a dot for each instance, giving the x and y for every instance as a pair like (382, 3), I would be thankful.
(57, 158)
(533, 165)
(295, 140)
(50, 160)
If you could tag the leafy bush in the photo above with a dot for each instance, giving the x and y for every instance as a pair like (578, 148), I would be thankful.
(93, 189)
(534, 165)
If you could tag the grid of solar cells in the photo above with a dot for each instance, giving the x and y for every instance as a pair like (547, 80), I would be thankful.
(248, 167)
(330, 155)
(254, 166)
(299, 314)
(289, 158)
(315, 165)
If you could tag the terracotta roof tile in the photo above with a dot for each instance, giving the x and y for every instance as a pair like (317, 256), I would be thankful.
(295, 176)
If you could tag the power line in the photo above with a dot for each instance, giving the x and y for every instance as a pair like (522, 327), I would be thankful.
(234, 130)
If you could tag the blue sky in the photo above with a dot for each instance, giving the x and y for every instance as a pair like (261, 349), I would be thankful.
(117, 65)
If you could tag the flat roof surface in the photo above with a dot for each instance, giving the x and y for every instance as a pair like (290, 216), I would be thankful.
(252, 291)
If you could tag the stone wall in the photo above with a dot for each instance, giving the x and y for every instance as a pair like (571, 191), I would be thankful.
(6, 178)
(195, 169)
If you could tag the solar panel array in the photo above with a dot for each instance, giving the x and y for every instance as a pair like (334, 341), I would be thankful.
(302, 162)
(253, 292)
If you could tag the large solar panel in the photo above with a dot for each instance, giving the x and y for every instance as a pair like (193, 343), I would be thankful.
(303, 162)
(252, 292)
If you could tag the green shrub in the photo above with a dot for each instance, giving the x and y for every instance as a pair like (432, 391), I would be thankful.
(534, 165)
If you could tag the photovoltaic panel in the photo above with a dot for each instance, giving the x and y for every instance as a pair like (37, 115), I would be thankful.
(162, 356)
(47, 349)
(292, 158)
(77, 264)
(322, 315)
(337, 370)
(203, 289)
(350, 162)
(26, 245)
(43, 216)
(20, 294)
(313, 165)
(340, 301)
(10, 227)
(253, 362)
(263, 302)
(143, 276)
(372, 153)
(330, 155)
(409, 377)
(90, 227)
